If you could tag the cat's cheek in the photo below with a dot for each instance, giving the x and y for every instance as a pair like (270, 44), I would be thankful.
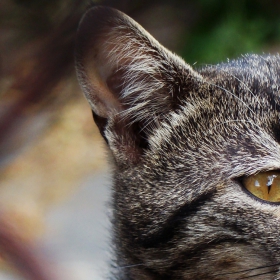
(228, 262)
(233, 196)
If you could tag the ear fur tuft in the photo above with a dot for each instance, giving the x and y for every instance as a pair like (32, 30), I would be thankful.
(126, 74)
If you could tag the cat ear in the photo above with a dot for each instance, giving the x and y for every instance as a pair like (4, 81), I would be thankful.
(131, 82)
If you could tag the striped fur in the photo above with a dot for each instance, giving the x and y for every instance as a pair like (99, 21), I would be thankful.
(180, 141)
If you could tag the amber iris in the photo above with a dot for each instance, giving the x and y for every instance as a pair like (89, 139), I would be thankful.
(264, 185)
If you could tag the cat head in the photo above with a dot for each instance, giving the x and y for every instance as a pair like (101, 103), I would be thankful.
(181, 139)
(132, 83)
(139, 91)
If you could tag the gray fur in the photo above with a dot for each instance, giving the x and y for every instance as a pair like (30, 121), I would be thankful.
(180, 141)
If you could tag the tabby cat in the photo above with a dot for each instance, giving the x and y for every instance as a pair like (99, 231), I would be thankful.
(196, 154)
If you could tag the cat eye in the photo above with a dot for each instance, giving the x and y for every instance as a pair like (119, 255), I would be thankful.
(264, 185)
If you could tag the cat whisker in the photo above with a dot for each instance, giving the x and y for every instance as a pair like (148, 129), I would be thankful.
(248, 270)
(245, 85)
(129, 266)
(260, 274)
(234, 95)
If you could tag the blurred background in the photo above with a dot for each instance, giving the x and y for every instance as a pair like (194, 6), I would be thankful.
(54, 179)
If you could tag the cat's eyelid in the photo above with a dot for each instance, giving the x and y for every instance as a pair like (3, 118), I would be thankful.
(255, 172)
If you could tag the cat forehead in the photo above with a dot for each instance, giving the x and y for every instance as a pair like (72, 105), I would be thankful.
(241, 92)
(254, 71)
(251, 81)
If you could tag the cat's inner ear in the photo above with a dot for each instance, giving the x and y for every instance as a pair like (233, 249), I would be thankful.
(126, 75)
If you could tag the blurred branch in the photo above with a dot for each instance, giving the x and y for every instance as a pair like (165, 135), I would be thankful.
(44, 62)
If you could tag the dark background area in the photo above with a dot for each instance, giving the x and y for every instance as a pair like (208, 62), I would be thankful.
(49, 146)
(37, 41)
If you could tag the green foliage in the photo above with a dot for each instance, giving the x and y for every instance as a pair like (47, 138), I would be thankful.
(226, 29)
(216, 29)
